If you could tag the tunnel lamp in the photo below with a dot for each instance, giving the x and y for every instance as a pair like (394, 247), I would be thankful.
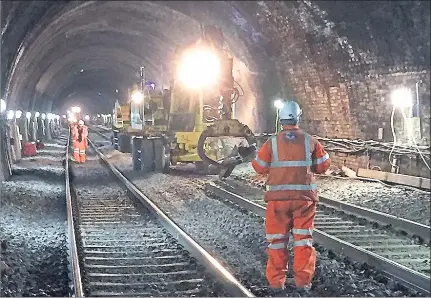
(98, 115)
(36, 114)
(43, 116)
(18, 114)
(402, 98)
(199, 67)
(57, 117)
(28, 115)
(87, 117)
(64, 116)
(116, 90)
(50, 116)
(76, 110)
(2, 105)
(10, 114)
(137, 96)
(278, 104)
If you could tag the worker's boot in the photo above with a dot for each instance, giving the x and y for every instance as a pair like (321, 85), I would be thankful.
(304, 289)
(278, 292)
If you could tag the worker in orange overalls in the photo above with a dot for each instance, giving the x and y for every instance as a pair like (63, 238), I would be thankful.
(290, 158)
(79, 137)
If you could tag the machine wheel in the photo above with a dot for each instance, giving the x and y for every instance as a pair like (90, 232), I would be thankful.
(166, 162)
(162, 158)
(159, 154)
(136, 153)
(147, 155)
(115, 140)
(125, 143)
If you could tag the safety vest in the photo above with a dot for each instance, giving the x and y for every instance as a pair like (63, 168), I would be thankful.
(75, 133)
(290, 176)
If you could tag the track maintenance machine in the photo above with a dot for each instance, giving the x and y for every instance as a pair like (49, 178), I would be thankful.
(190, 122)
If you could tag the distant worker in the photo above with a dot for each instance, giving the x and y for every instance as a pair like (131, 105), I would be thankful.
(79, 137)
(290, 158)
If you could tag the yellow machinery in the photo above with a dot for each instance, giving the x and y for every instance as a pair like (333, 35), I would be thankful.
(187, 123)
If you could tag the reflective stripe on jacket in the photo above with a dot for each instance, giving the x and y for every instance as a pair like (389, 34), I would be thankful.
(290, 159)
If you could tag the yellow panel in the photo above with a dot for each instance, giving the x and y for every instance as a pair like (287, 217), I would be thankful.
(188, 137)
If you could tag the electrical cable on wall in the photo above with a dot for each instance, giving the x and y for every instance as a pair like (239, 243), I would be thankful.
(412, 138)
(394, 137)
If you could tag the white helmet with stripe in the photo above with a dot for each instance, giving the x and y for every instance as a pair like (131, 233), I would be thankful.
(290, 112)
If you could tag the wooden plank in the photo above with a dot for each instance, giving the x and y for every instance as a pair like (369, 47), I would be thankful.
(419, 182)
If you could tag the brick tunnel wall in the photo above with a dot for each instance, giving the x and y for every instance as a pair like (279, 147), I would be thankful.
(344, 90)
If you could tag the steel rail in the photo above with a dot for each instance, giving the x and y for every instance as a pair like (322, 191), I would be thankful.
(400, 273)
(230, 283)
(99, 133)
(411, 227)
(75, 271)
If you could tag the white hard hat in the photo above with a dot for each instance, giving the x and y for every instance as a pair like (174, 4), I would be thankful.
(290, 111)
(81, 122)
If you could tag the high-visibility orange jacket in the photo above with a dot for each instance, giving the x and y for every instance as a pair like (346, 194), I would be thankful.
(290, 158)
(76, 137)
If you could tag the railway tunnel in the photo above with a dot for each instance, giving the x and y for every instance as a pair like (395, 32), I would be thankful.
(359, 70)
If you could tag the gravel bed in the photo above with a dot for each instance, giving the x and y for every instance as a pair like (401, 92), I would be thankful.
(236, 238)
(33, 226)
(93, 181)
(396, 200)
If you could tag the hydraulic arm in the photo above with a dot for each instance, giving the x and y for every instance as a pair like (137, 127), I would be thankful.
(225, 125)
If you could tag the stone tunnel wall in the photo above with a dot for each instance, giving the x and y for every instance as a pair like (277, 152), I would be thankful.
(344, 90)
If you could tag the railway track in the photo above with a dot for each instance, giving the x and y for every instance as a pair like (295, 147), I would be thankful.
(123, 245)
(350, 230)
(359, 233)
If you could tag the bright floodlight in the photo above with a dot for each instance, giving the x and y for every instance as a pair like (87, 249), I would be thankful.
(10, 114)
(43, 116)
(76, 109)
(28, 115)
(37, 114)
(64, 116)
(57, 117)
(199, 67)
(137, 96)
(18, 114)
(402, 98)
(50, 116)
(2, 105)
(87, 117)
(278, 104)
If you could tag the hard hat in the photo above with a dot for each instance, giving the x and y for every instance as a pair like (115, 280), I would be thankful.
(81, 122)
(290, 111)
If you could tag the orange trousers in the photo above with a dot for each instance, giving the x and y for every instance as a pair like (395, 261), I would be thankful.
(284, 218)
(79, 151)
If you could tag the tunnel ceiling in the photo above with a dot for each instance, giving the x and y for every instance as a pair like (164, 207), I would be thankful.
(52, 49)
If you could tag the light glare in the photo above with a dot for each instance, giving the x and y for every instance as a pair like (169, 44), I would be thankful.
(28, 115)
(76, 109)
(2, 105)
(18, 114)
(278, 104)
(199, 67)
(137, 97)
(402, 98)
(10, 114)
